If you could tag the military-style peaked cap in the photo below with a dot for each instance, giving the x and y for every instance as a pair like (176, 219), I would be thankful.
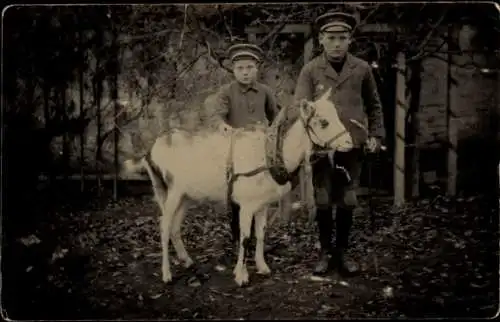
(245, 50)
(336, 22)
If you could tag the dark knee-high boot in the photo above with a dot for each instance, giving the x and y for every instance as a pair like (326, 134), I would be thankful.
(324, 220)
(235, 222)
(343, 222)
(235, 225)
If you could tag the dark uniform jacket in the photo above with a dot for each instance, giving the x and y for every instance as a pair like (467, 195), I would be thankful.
(242, 106)
(354, 93)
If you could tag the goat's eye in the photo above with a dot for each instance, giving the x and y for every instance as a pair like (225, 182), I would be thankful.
(323, 123)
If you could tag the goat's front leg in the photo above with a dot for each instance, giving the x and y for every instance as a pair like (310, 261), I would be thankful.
(169, 208)
(240, 270)
(260, 229)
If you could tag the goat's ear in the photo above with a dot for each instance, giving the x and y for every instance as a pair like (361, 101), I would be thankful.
(306, 108)
(327, 94)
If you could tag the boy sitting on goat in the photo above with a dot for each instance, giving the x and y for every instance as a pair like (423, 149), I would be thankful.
(245, 103)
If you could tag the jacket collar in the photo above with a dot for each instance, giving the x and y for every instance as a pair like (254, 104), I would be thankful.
(246, 88)
(344, 74)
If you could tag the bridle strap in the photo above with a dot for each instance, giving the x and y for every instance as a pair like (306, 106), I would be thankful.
(309, 130)
(277, 169)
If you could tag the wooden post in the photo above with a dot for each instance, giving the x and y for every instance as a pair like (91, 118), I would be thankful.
(98, 157)
(415, 84)
(452, 128)
(306, 186)
(82, 116)
(415, 189)
(400, 117)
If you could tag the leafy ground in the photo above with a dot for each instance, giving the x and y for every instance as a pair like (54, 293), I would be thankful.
(439, 259)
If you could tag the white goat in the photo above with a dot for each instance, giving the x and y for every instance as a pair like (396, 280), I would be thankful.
(196, 166)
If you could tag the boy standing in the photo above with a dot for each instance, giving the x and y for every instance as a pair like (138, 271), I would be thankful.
(245, 103)
(354, 94)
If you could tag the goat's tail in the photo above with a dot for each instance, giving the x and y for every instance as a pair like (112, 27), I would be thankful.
(136, 165)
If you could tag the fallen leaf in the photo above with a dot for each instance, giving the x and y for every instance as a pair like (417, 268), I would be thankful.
(59, 253)
(30, 240)
(315, 278)
(193, 282)
(154, 297)
(220, 268)
(478, 285)
(388, 292)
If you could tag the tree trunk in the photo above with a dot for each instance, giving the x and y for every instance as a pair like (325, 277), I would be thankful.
(412, 133)
(98, 96)
(48, 124)
(114, 97)
(65, 147)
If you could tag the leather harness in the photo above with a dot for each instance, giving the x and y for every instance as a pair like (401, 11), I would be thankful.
(275, 163)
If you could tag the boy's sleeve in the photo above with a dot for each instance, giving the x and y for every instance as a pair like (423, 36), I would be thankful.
(222, 103)
(303, 90)
(373, 106)
(271, 105)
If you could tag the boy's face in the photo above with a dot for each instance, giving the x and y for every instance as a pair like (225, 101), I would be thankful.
(335, 44)
(245, 70)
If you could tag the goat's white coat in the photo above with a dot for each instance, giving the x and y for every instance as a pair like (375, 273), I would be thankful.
(197, 167)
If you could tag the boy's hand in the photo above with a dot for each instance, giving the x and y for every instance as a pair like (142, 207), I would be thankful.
(224, 127)
(373, 145)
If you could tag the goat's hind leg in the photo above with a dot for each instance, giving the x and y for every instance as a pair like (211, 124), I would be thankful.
(176, 236)
(169, 209)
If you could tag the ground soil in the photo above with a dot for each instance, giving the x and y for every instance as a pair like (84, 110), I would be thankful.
(101, 260)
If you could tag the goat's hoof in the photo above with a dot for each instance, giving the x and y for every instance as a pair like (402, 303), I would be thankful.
(263, 269)
(236, 270)
(188, 262)
(167, 277)
(241, 277)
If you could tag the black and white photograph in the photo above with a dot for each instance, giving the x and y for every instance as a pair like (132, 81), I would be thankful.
(250, 161)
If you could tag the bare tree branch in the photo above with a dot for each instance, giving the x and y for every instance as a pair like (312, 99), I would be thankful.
(424, 54)
(273, 32)
(221, 15)
(168, 84)
(284, 20)
(183, 26)
(128, 38)
(217, 60)
(202, 40)
(363, 22)
(428, 37)
(129, 120)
